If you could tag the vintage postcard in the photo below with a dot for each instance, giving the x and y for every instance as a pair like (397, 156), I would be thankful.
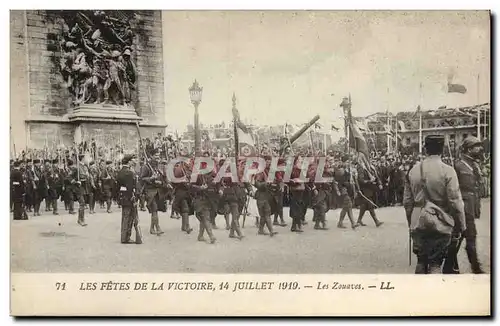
(250, 163)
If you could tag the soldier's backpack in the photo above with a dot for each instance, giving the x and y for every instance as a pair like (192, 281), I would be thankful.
(431, 218)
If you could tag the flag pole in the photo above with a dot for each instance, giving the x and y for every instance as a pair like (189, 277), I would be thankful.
(420, 122)
(478, 110)
(396, 149)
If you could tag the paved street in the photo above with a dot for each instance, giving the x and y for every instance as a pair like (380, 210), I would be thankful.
(42, 245)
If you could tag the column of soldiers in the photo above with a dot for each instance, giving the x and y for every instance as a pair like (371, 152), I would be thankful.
(69, 181)
(353, 184)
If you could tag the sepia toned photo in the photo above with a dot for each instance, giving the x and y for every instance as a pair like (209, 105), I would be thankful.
(249, 155)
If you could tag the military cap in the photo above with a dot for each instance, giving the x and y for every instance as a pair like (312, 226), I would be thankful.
(55, 161)
(91, 163)
(127, 51)
(434, 140)
(126, 159)
(109, 162)
(81, 157)
(470, 142)
(36, 161)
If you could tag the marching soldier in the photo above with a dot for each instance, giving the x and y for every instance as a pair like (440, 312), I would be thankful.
(204, 189)
(93, 186)
(151, 178)
(55, 187)
(320, 198)
(344, 178)
(39, 186)
(469, 178)
(265, 200)
(17, 191)
(298, 197)
(431, 180)
(278, 194)
(127, 185)
(182, 197)
(30, 189)
(81, 185)
(107, 179)
(369, 184)
(68, 192)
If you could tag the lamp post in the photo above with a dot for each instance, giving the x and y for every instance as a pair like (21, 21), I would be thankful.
(195, 92)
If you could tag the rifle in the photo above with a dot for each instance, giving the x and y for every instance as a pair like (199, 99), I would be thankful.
(137, 227)
(245, 211)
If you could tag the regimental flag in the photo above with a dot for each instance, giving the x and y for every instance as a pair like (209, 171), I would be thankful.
(356, 139)
(242, 135)
(456, 88)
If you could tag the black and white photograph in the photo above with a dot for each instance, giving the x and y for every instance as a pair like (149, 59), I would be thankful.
(297, 142)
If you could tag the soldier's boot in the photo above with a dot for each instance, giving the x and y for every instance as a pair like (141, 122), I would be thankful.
(351, 219)
(232, 230)
(323, 224)
(262, 223)
(185, 223)
(270, 226)
(152, 225)
(316, 224)
(92, 205)
(299, 225)
(378, 223)
(201, 232)
(71, 207)
(157, 224)
(226, 218)
(47, 205)
(81, 216)
(108, 206)
(237, 228)
(275, 221)
(209, 230)
(470, 248)
(360, 218)
(421, 267)
(434, 268)
(340, 224)
(54, 206)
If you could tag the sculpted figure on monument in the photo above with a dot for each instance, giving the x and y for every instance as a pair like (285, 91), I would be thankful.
(96, 60)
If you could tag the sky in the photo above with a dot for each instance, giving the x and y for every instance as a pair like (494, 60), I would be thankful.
(287, 66)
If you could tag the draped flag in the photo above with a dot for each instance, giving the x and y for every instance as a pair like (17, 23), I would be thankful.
(356, 139)
(242, 136)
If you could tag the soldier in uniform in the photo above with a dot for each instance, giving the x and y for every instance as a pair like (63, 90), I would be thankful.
(265, 200)
(68, 192)
(320, 197)
(369, 184)
(107, 179)
(298, 197)
(81, 188)
(94, 186)
(344, 178)
(151, 178)
(234, 198)
(40, 186)
(278, 193)
(182, 197)
(126, 182)
(204, 189)
(17, 187)
(55, 186)
(469, 178)
(30, 189)
(442, 189)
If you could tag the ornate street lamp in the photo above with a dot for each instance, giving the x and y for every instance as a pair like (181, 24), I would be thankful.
(195, 93)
